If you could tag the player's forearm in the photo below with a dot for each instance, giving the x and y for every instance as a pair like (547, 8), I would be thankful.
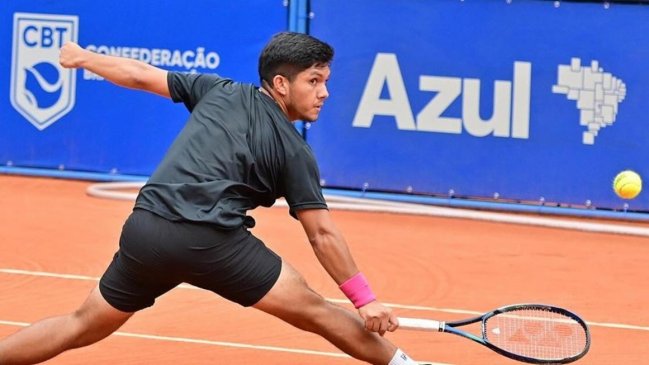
(122, 71)
(332, 252)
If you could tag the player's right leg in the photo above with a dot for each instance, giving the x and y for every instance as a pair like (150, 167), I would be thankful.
(93, 321)
(137, 275)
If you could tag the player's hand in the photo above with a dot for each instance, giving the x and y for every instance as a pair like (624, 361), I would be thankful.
(378, 318)
(71, 55)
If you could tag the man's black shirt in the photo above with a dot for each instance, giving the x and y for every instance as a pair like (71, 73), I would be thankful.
(236, 152)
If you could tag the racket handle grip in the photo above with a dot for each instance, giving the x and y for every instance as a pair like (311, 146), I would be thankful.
(419, 324)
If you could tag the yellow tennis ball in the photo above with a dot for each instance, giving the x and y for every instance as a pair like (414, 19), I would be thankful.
(627, 184)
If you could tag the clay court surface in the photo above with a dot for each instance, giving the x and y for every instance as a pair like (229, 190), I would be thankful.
(56, 241)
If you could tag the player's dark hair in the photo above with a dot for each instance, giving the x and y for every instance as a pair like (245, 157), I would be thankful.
(289, 53)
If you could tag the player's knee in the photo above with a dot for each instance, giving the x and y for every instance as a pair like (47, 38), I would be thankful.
(86, 330)
(93, 321)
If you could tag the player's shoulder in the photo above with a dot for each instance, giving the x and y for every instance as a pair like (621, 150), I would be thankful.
(198, 77)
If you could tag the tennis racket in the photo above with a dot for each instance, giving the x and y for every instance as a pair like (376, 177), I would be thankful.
(532, 333)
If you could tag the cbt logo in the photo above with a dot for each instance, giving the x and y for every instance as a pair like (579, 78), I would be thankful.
(41, 90)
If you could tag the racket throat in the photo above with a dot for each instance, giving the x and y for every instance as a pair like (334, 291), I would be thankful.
(441, 327)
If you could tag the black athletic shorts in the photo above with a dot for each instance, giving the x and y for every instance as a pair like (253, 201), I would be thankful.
(156, 254)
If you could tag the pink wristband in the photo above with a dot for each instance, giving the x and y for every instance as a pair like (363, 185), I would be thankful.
(357, 289)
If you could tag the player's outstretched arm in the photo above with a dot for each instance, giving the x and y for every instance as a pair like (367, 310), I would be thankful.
(328, 243)
(334, 255)
(122, 71)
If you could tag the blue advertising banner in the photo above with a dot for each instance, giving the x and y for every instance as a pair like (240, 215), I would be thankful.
(524, 101)
(51, 117)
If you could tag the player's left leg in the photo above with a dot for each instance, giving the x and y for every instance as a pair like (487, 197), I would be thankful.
(93, 321)
(239, 267)
(293, 301)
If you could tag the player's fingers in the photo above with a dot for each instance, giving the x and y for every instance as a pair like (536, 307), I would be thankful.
(383, 327)
(369, 323)
(373, 324)
(393, 323)
(376, 325)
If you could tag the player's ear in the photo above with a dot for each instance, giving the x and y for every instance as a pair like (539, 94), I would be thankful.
(280, 84)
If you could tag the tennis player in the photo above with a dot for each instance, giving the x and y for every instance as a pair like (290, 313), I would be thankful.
(237, 151)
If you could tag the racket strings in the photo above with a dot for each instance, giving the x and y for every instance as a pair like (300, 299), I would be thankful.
(536, 333)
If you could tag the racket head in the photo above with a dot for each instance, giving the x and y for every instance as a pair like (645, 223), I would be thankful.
(536, 333)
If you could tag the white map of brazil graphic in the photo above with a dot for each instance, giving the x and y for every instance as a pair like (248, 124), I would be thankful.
(597, 93)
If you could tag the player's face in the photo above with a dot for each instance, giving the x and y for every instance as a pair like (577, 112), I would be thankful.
(307, 93)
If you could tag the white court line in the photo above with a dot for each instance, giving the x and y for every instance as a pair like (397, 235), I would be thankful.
(111, 190)
(217, 343)
(174, 338)
(333, 300)
(205, 342)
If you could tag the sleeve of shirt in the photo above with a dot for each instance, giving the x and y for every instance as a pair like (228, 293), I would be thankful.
(189, 88)
(302, 182)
